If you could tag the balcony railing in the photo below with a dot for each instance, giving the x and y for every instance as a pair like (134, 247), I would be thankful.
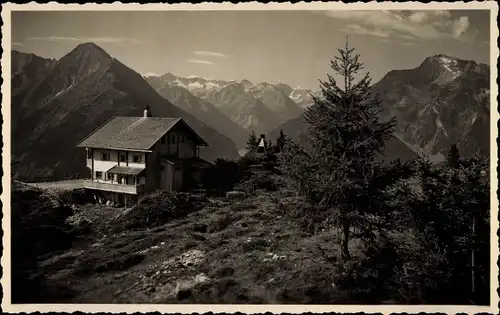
(113, 187)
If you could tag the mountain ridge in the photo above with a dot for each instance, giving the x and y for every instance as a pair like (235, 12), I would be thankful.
(253, 106)
(442, 101)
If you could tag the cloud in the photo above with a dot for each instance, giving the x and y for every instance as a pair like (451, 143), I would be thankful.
(54, 39)
(409, 25)
(195, 76)
(210, 54)
(361, 30)
(460, 26)
(111, 40)
(205, 62)
(17, 44)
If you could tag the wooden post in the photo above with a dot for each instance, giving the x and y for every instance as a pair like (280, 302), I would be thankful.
(92, 173)
(473, 282)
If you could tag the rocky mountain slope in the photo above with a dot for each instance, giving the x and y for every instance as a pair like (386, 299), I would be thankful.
(274, 99)
(443, 101)
(79, 93)
(27, 70)
(201, 109)
(244, 108)
(301, 97)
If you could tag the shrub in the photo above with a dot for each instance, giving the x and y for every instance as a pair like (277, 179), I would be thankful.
(157, 209)
(258, 181)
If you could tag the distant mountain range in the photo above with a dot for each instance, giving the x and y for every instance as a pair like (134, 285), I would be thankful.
(55, 103)
(253, 106)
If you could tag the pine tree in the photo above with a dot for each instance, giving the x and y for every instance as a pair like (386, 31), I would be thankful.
(252, 142)
(280, 142)
(269, 144)
(339, 173)
(451, 218)
(453, 157)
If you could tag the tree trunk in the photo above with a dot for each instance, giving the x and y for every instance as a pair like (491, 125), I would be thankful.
(344, 241)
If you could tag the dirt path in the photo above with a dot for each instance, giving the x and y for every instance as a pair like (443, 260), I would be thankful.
(59, 185)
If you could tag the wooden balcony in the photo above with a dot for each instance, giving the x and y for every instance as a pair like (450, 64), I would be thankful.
(114, 187)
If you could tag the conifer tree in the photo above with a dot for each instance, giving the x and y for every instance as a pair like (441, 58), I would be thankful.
(269, 144)
(280, 142)
(252, 142)
(339, 174)
(453, 157)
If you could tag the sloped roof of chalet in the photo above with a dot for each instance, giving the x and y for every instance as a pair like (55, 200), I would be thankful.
(133, 133)
(192, 161)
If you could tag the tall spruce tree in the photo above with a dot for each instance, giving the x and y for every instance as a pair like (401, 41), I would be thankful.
(339, 174)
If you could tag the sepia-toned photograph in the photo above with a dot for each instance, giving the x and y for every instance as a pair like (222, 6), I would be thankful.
(262, 155)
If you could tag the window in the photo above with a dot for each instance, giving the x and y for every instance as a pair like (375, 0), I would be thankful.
(110, 176)
(98, 175)
(122, 158)
(163, 140)
(181, 138)
(137, 159)
(106, 157)
(173, 139)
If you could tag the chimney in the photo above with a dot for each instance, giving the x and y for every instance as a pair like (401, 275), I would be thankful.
(146, 112)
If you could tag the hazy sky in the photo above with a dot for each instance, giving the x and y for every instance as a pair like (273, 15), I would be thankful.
(274, 46)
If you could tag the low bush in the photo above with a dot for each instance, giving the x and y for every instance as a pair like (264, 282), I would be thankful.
(77, 196)
(258, 181)
(157, 209)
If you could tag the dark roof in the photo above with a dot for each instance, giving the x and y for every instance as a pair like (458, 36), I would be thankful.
(124, 170)
(194, 161)
(133, 133)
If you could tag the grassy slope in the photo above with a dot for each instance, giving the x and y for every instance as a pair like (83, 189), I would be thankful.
(246, 251)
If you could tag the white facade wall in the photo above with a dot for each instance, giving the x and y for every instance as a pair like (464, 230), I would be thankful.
(102, 166)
